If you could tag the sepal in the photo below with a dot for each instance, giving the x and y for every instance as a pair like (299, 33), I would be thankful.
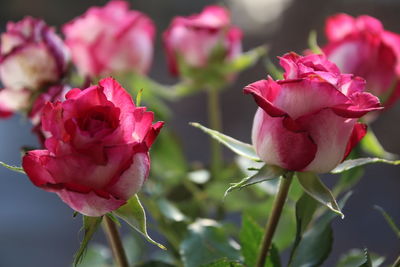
(313, 186)
(134, 215)
(240, 148)
(267, 172)
(352, 163)
(13, 168)
(90, 225)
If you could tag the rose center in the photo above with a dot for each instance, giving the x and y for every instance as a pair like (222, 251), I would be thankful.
(99, 119)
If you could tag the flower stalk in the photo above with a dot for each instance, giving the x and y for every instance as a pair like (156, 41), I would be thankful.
(274, 218)
(115, 242)
(214, 118)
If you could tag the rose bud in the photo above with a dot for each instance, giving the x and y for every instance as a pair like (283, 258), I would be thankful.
(97, 145)
(32, 56)
(361, 46)
(111, 39)
(308, 120)
(197, 41)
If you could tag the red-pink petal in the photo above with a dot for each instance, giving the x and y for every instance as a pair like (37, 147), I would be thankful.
(264, 93)
(90, 204)
(359, 131)
(277, 145)
(34, 164)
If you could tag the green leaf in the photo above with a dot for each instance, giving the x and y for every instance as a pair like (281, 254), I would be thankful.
(319, 245)
(170, 211)
(133, 213)
(96, 255)
(367, 262)
(90, 225)
(305, 209)
(206, 242)
(316, 243)
(273, 70)
(247, 59)
(313, 186)
(224, 263)
(352, 163)
(389, 220)
(13, 168)
(313, 44)
(372, 146)
(267, 172)
(250, 237)
(236, 146)
(358, 257)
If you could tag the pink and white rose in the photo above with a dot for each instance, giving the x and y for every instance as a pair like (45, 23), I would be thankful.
(196, 39)
(308, 120)
(97, 145)
(32, 56)
(363, 47)
(110, 39)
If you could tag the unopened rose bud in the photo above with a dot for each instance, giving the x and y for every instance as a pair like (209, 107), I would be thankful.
(201, 40)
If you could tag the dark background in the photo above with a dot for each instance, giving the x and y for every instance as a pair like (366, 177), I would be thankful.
(37, 229)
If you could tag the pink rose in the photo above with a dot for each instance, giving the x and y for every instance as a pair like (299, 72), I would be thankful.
(53, 94)
(361, 46)
(96, 154)
(111, 39)
(32, 56)
(308, 121)
(198, 39)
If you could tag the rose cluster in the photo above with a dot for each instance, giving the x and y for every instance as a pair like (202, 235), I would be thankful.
(96, 141)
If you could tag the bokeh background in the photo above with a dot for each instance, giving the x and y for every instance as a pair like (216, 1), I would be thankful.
(37, 229)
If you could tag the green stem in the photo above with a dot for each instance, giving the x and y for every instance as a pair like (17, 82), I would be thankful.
(274, 218)
(214, 117)
(115, 242)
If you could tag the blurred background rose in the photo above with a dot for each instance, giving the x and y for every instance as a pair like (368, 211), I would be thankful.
(40, 227)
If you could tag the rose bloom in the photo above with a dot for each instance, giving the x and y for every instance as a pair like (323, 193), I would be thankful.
(111, 39)
(97, 145)
(363, 47)
(32, 56)
(308, 120)
(198, 39)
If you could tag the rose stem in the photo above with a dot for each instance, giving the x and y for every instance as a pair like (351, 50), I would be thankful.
(214, 117)
(115, 242)
(274, 218)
